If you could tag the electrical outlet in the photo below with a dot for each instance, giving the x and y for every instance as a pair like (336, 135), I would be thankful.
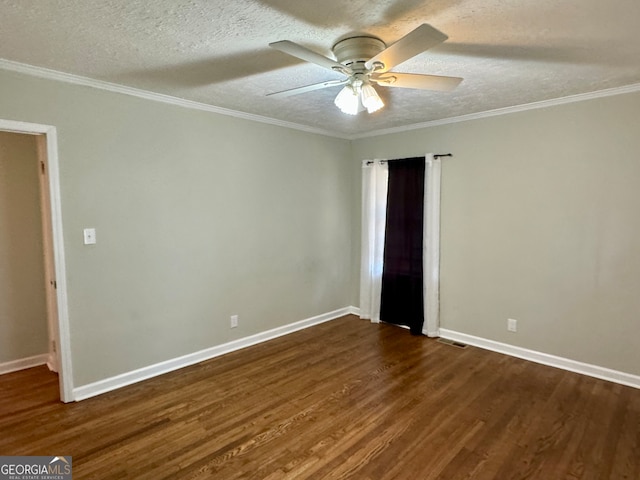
(234, 321)
(512, 325)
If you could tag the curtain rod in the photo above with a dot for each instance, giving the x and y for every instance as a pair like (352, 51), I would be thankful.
(438, 155)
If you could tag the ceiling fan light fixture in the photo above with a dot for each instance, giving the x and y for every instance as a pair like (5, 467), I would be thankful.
(370, 98)
(367, 61)
(347, 100)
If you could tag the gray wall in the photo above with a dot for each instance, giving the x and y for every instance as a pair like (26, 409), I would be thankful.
(201, 216)
(540, 223)
(198, 216)
(23, 316)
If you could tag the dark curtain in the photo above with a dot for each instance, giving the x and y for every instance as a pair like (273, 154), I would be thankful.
(402, 276)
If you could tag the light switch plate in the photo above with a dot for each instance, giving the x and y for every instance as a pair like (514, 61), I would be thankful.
(89, 236)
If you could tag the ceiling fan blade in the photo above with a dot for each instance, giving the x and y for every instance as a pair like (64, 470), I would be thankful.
(413, 80)
(417, 41)
(307, 55)
(308, 88)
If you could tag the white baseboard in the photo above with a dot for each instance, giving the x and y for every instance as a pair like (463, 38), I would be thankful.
(544, 358)
(21, 364)
(353, 310)
(103, 386)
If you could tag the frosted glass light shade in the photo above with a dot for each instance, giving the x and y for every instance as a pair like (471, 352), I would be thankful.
(347, 100)
(370, 99)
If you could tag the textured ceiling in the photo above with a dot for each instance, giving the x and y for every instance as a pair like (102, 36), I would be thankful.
(509, 52)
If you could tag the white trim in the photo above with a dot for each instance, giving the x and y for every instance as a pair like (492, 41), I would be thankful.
(49, 74)
(157, 97)
(545, 359)
(22, 363)
(47, 248)
(108, 384)
(353, 310)
(65, 374)
(65, 369)
(24, 127)
(609, 92)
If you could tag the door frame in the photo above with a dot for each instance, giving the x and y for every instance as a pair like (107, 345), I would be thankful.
(56, 286)
(50, 284)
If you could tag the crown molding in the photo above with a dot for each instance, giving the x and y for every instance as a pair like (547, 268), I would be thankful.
(49, 74)
(157, 97)
(506, 110)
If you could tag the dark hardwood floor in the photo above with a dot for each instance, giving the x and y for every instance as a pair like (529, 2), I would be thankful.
(345, 399)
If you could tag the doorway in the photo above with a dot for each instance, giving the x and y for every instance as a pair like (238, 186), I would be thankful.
(53, 271)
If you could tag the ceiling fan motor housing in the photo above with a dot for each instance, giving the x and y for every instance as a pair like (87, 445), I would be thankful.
(355, 51)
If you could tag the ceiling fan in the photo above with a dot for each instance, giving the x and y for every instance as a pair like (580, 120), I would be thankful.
(367, 61)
